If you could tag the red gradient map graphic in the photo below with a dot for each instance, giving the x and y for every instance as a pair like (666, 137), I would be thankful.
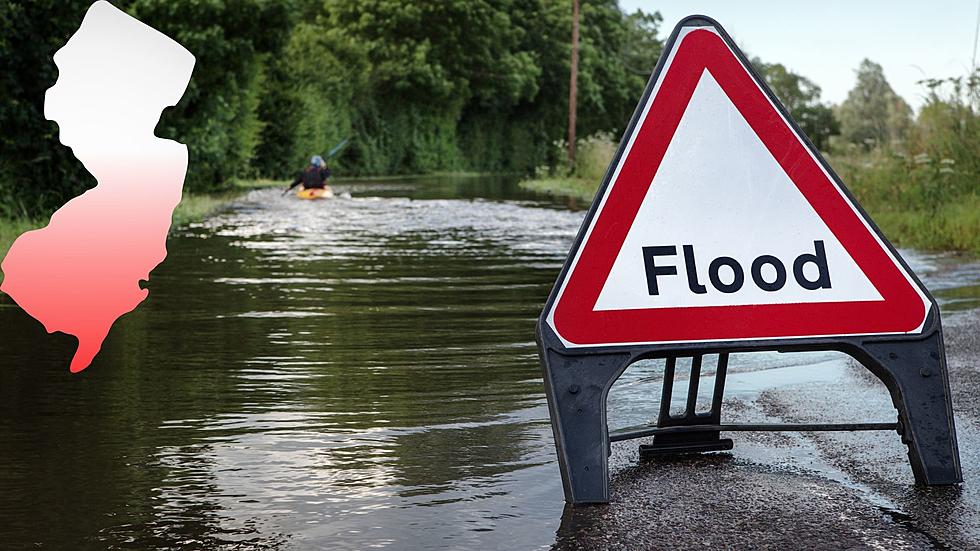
(84, 270)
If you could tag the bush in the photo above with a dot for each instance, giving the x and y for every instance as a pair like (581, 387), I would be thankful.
(419, 86)
(924, 192)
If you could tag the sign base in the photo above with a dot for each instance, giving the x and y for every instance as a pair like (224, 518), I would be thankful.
(578, 382)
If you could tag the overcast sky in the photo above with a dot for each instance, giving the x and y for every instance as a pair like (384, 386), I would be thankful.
(826, 40)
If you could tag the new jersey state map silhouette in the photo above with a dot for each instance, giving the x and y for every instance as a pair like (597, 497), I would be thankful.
(84, 270)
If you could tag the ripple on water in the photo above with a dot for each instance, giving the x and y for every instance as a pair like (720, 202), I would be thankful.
(347, 373)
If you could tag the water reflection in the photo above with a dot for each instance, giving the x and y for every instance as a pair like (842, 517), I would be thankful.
(351, 373)
(355, 372)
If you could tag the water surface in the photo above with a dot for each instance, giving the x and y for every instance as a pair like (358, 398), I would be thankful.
(353, 373)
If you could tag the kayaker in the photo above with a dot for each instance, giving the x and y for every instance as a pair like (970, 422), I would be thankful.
(314, 176)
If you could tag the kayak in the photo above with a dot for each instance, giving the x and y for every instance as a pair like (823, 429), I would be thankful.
(314, 193)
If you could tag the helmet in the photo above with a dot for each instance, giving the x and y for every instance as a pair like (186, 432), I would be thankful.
(317, 161)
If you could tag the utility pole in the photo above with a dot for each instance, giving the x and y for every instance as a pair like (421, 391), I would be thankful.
(573, 86)
(976, 33)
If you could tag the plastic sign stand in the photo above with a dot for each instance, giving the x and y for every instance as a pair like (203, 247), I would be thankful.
(719, 228)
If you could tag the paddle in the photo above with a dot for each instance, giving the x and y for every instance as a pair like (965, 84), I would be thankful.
(336, 149)
(333, 151)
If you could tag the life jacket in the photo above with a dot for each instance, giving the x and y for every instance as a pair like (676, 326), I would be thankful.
(315, 177)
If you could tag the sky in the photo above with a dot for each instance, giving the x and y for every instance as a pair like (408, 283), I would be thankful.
(826, 40)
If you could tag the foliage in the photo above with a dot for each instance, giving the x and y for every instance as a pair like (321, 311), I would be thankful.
(37, 173)
(616, 59)
(948, 126)
(918, 201)
(580, 181)
(439, 96)
(419, 86)
(218, 116)
(309, 96)
(594, 155)
(453, 85)
(873, 114)
(801, 97)
(925, 190)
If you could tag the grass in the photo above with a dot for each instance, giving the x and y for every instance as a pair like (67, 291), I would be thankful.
(953, 226)
(918, 202)
(11, 229)
(259, 183)
(193, 207)
(581, 180)
(570, 186)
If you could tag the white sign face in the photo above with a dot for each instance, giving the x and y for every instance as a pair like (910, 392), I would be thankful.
(740, 206)
(719, 223)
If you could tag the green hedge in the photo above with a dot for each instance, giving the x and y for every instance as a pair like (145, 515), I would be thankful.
(478, 85)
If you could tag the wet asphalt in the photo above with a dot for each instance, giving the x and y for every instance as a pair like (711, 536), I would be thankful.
(827, 490)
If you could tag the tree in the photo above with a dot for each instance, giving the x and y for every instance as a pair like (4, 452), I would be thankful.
(873, 114)
(801, 97)
(572, 85)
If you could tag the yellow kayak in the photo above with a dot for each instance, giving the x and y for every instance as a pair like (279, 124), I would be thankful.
(314, 193)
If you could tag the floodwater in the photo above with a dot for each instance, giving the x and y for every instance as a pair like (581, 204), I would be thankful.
(347, 374)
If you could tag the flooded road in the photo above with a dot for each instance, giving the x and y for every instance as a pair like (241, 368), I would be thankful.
(361, 373)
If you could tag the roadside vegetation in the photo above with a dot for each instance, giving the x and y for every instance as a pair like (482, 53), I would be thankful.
(581, 180)
(193, 207)
(277, 81)
(918, 176)
(11, 228)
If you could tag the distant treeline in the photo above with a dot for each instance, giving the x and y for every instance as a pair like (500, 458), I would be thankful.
(433, 85)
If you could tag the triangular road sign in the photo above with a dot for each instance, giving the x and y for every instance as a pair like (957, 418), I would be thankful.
(718, 229)
(718, 221)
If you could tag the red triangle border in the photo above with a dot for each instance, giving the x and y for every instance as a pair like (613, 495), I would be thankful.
(903, 309)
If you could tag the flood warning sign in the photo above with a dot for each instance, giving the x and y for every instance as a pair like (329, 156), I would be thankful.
(720, 223)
